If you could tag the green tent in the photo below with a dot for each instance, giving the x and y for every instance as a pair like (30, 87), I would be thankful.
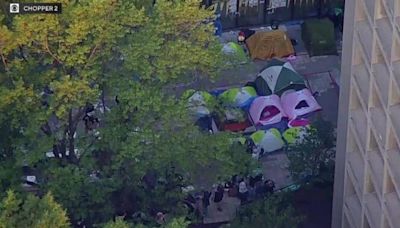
(319, 37)
(238, 97)
(270, 140)
(277, 77)
(294, 135)
(235, 52)
(199, 102)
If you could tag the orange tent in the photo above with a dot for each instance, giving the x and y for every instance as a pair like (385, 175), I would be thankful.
(266, 45)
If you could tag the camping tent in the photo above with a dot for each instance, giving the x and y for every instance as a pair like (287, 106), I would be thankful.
(319, 37)
(269, 140)
(235, 51)
(199, 102)
(299, 103)
(266, 110)
(266, 45)
(238, 97)
(278, 77)
(294, 134)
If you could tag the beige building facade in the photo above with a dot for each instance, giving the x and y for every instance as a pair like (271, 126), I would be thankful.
(367, 176)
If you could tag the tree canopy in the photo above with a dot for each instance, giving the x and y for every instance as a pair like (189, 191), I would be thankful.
(314, 155)
(273, 211)
(146, 147)
(32, 212)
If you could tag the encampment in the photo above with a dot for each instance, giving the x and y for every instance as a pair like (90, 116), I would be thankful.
(266, 45)
(238, 97)
(299, 103)
(319, 37)
(278, 77)
(266, 110)
(269, 140)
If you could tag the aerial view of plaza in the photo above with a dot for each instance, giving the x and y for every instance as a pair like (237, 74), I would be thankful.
(199, 113)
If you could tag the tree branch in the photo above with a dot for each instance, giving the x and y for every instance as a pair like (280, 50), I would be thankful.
(4, 61)
(46, 46)
(91, 55)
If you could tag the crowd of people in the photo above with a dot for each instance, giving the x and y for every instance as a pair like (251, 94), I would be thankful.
(245, 189)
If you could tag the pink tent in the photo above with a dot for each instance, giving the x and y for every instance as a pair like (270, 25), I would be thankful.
(299, 103)
(266, 110)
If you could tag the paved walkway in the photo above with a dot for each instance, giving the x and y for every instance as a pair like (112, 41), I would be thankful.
(229, 207)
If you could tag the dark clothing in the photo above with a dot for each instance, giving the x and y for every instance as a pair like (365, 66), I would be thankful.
(206, 198)
(270, 186)
(233, 191)
(218, 195)
(261, 190)
(243, 196)
(235, 180)
(89, 108)
(254, 180)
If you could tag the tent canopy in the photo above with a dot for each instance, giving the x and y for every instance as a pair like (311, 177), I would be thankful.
(319, 37)
(266, 110)
(199, 102)
(269, 140)
(238, 97)
(299, 103)
(266, 45)
(295, 134)
(235, 51)
(278, 77)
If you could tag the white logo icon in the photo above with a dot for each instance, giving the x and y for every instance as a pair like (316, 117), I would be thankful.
(14, 8)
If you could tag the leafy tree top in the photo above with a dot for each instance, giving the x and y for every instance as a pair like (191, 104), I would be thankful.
(32, 212)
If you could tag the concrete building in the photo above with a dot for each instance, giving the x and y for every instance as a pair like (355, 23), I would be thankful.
(367, 178)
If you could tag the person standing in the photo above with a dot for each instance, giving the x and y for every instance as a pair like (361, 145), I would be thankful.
(206, 202)
(243, 191)
(218, 196)
(270, 186)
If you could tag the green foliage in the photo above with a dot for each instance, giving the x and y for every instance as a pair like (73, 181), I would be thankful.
(178, 40)
(314, 156)
(86, 198)
(94, 50)
(32, 212)
(274, 211)
(118, 223)
(177, 223)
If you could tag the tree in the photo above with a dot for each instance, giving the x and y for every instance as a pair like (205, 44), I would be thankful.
(273, 211)
(118, 223)
(32, 212)
(314, 155)
(54, 65)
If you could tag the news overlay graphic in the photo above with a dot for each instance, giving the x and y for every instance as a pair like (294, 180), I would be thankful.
(34, 8)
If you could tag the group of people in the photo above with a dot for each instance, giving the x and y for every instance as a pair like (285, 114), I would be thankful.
(246, 189)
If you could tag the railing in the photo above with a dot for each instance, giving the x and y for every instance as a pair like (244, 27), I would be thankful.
(246, 13)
